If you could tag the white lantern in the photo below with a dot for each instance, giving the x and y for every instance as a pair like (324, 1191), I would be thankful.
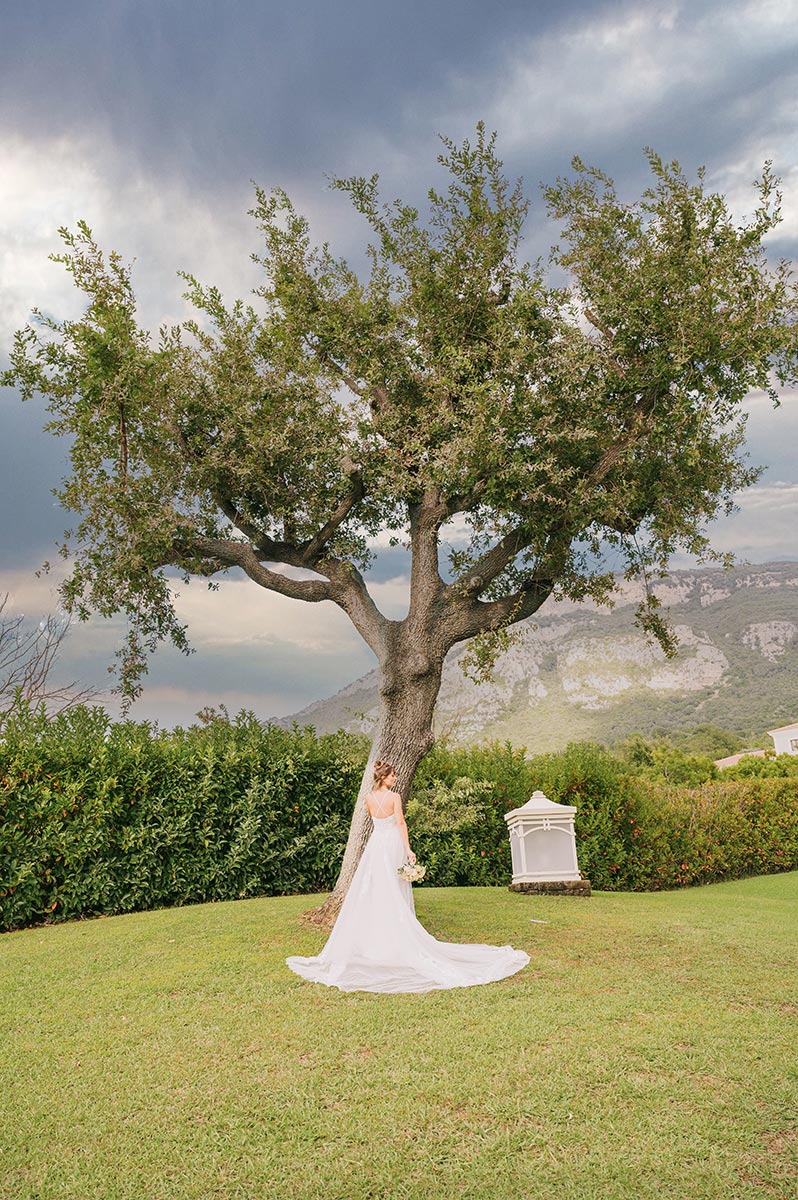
(543, 848)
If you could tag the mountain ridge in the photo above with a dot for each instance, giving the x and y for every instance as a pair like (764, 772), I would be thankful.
(578, 671)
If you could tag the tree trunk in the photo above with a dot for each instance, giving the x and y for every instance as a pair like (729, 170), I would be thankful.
(408, 692)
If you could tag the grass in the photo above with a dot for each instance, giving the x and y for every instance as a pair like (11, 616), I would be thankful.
(648, 1050)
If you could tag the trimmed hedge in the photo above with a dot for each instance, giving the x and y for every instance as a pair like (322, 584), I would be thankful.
(714, 832)
(101, 817)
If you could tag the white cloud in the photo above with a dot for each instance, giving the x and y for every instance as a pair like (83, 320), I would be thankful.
(599, 77)
(160, 223)
(236, 614)
(773, 499)
(764, 528)
(28, 595)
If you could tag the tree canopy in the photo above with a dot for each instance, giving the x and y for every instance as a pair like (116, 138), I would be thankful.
(562, 412)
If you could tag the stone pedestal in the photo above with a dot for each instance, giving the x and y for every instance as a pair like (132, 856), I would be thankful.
(553, 887)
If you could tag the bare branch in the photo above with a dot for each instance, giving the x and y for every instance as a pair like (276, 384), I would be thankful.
(597, 324)
(327, 360)
(27, 659)
(377, 395)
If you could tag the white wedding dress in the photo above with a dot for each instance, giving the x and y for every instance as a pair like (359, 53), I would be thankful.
(378, 945)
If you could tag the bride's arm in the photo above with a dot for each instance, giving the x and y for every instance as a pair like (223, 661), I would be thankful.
(400, 821)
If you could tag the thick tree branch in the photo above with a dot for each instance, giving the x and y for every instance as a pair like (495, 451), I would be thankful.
(425, 580)
(642, 411)
(240, 554)
(470, 617)
(349, 592)
(503, 553)
(465, 501)
(344, 585)
(492, 563)
(517, 606)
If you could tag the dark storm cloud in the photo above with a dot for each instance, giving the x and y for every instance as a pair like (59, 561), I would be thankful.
(205, 87)
(218, 94)
(31, 463)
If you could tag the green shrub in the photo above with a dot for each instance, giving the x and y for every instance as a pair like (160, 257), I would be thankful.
(440, 808)
(103, 817)
(723, 830)
(663, 762)
(110, 817)
(633, 832)
(785, 766)
(474, 850)
(601, 789)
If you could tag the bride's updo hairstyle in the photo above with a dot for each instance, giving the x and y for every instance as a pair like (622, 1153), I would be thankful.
(381, 772)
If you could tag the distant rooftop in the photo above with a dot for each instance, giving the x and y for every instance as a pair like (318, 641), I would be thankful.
(732, 759)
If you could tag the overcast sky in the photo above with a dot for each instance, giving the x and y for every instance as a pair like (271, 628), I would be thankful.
(149, 118)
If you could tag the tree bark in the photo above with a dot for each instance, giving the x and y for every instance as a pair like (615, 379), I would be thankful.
(411, 655)
(409, 686)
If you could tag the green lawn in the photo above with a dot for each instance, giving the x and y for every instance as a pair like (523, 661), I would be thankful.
(650, 1049)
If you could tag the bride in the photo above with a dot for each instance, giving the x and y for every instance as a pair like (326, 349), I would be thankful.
(377, 944)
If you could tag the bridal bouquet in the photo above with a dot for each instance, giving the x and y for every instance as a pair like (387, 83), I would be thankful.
(412, 872)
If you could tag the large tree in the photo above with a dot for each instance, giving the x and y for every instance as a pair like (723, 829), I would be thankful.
(554, 412)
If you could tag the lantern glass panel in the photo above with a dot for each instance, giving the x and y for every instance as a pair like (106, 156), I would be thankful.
(548, 851)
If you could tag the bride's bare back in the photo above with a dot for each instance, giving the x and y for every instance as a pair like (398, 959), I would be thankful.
(383, 804)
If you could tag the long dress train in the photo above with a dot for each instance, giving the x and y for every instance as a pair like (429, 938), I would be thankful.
(378, 945)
